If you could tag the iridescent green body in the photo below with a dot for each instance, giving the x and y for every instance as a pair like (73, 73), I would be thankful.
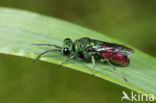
(86, 48)
(81, 45)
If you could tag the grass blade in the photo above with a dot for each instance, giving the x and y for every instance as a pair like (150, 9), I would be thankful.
(19, 29)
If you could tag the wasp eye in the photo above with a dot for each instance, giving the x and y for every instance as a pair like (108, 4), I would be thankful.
(66, 51)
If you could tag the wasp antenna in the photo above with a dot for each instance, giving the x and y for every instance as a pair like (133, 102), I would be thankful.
(47, 45)
(116, 70)
(45, 53)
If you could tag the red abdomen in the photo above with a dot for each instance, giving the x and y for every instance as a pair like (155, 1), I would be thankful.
(116, 58)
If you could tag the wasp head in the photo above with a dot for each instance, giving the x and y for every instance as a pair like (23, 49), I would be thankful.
(67, 46)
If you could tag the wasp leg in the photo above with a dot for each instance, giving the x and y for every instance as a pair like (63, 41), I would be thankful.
(78, 58)
(67, 60)
(48, 45)
(102, 60)
(115, 69)
(93, 61)
(44, 53)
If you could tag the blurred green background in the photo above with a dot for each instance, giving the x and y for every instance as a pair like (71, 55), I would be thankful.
(130, 21)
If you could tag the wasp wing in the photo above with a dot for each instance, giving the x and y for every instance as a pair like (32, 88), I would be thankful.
(112, 48)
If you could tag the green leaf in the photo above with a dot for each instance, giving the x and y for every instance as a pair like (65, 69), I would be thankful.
(19, 29)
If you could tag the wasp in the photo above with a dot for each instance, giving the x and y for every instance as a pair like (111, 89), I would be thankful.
(90, 49)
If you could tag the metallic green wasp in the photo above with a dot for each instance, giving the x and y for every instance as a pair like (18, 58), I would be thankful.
(86, 48)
